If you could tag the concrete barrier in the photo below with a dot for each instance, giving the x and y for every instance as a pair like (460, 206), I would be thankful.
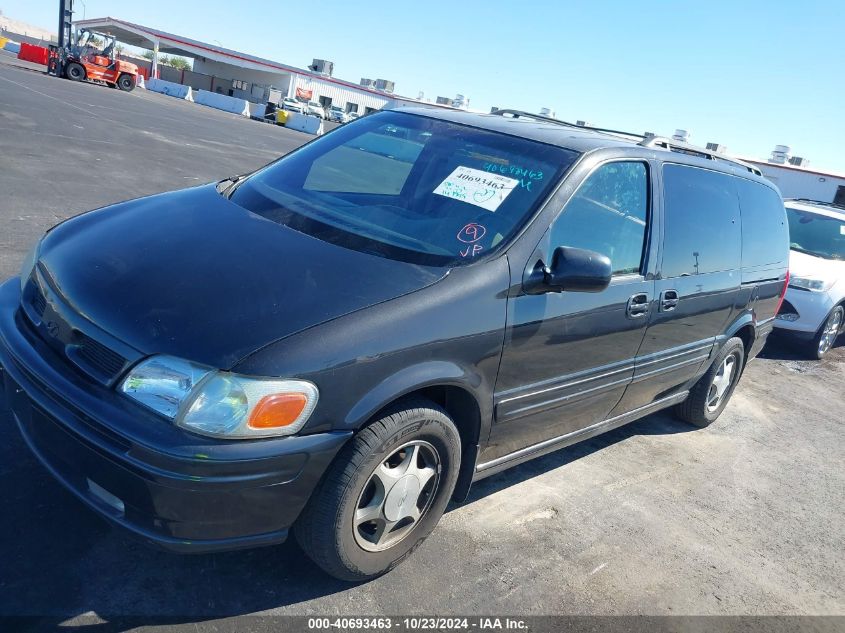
(304, 123)
(12, 47)
(141, 82)
(170, 89)
(257, 111)
(222, 102)
(32, 53)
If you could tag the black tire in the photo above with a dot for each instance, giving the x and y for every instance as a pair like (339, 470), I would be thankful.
(326, 530)
(699, 409)
(126, 82)
(75, 72)
(821, 344)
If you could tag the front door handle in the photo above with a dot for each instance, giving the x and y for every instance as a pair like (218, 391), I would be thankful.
(668, 300)
(638, 305)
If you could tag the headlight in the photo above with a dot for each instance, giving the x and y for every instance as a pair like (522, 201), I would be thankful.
(807, 283)
(29, 264)
(220, 404)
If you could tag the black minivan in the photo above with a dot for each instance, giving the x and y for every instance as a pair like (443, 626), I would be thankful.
(343, 341)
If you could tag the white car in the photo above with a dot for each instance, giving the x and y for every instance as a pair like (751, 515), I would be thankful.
(292, 105)
(813, 310)
(337, 115)
(312, 107)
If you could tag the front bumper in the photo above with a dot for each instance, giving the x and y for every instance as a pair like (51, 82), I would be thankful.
(811, 307)
(173, 489)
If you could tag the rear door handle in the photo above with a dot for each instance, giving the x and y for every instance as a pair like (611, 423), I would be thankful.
(638, 305)
(668, 300)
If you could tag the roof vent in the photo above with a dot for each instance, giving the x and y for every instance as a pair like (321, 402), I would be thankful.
(780, 154)
(460, 101)
(681, 135)
(582, 123)
(385, 85)
(798, 161)
(367, 83)
(716, 147)
(322, 66)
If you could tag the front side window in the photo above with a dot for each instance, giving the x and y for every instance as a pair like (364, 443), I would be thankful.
(409, 187)
(816, 234)
(608, 214)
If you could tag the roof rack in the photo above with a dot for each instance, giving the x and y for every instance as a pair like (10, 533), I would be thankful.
(671, 144)
(644, 140)
(542, 117)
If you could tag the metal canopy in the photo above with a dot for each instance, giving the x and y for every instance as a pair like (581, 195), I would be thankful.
(171, 44)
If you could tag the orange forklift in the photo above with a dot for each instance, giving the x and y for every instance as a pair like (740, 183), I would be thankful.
(78, 55)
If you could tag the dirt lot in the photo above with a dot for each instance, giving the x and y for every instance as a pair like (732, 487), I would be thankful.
(745, 517)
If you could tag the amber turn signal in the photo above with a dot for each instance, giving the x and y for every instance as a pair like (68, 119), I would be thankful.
(277, 410)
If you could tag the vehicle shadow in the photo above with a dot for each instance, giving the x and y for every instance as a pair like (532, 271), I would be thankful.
(781, 347)
(661, 423)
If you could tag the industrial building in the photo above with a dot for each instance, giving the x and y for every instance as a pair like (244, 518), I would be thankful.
(795, 179)
(245, 76)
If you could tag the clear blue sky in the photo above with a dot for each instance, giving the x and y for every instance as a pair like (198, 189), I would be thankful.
(748, 74)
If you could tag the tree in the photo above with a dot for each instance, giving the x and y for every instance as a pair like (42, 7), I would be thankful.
(180, 63)
(147, 55)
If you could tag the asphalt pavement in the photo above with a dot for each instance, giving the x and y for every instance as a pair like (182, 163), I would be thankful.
(744, 517)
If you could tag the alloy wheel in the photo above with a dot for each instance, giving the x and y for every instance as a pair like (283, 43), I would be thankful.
(721, 383)
(397, 496)
(830, 332)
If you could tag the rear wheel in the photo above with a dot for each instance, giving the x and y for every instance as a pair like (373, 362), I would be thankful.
(710, 395)
(383, 494)
(126, 82)
(826, 336)
(75, 72)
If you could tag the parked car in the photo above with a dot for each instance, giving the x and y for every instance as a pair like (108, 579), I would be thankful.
(352, 116)
(292, 105)
(314, 108)
(341, 342)
(337, 115)
(813, 313)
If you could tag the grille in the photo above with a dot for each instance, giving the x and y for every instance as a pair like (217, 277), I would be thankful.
(100, 357)
(39, 303)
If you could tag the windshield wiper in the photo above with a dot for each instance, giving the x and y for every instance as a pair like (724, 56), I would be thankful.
(813, 253)
(227, 186)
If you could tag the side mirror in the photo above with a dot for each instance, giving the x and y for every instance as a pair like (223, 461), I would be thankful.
(578, 270)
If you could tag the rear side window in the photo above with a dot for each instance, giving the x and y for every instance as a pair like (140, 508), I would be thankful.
(608, 214)
(765, 233)
(702, 232)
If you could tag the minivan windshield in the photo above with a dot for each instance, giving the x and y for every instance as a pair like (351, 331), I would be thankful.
(816, 234)
(408, 187)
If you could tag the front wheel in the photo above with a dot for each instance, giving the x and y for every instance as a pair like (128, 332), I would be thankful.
(383, 494)
(126, 82)
(826, 336)
(710, 395)
(75, 72)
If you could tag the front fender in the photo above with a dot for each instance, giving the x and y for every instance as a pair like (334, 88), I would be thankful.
(414, 378)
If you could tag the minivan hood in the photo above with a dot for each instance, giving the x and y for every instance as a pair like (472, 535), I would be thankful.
(804, 265)
(194, 275)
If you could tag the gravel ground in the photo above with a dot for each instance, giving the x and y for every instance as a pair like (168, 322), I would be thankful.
(744, 517)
